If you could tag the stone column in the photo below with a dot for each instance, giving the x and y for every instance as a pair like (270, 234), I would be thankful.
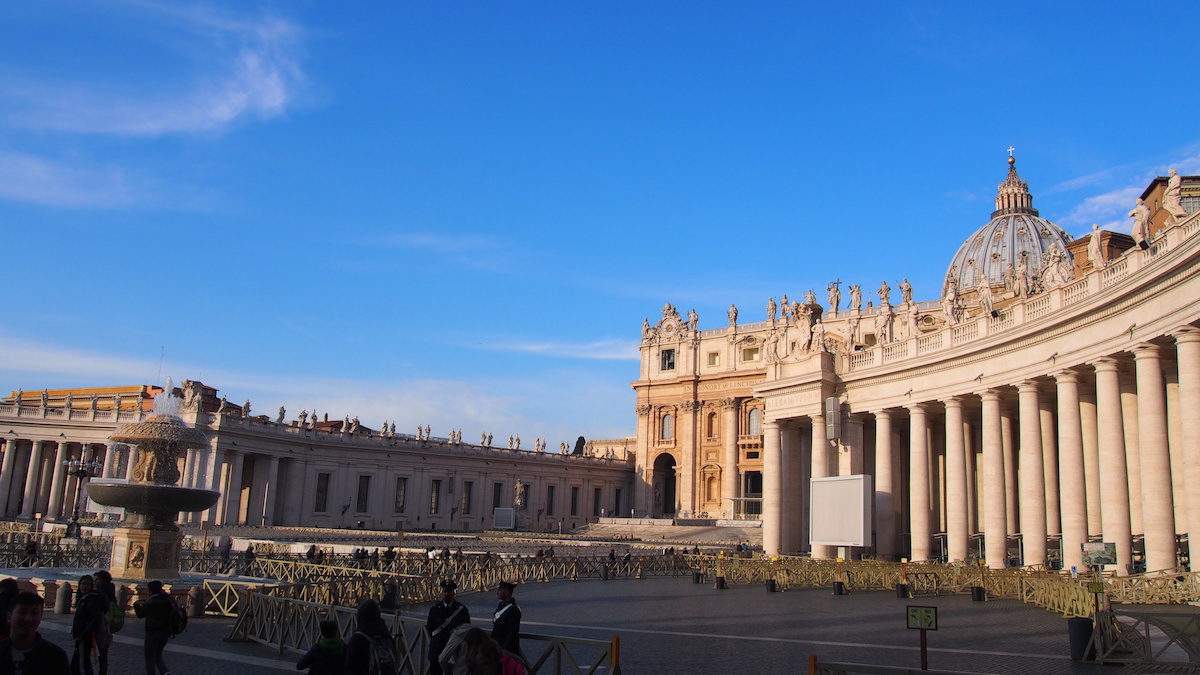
(772, 514)
(1158, 508)
(1046, 406)
(1114, 481)
(730, 476)
(995, 521)
(885, 502)
(1010, 470)
(791, 494)
(32, 489)
(187, 477)
(1091, 458)
(643, 491)
(1032, 479)
(58, 483)
(6, 475)
(1071, 471)
(820, 469)
(271, 489)
(131, 453)
(110, 461)
(687, 433)
(1133, 453)
(957, 530)
(233, 497)
(1187, 352)
(850, 461)
(918, 483)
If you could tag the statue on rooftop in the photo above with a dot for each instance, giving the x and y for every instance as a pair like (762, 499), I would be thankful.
(810, 298)
(771, 309)
(246, 408)
(1173, 196)
(282, 414)
(693, 320)
(855, 297)
(732, 314)
(885, 293)
(817, 344)
(984, 291)
(303, 416)
(1095, 248)
(835, 295)
(905, 291)
(1141, 221)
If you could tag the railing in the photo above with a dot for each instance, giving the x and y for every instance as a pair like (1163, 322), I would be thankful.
(92, 554)
(1138, 636)
(293, 625)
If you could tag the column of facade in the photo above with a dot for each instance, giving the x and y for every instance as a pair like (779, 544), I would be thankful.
(795, 480)
(271, 491)
(297, 475)
(885, 501)
(918, 483)
(1158, 508)
(6, 475)
(1032, 480)
(643, 491)
(1114, 481)
(32, 473)
(1071, 471)
(791, 495)
(995, 512)
(957, 531)
(1046, 406)
(1187, 353)
(187, 477)
(820, 469)
(1010, 470)
(110, 463)
(58, 482)
(1091, 458)
(772, 514)
(970, 448)
(131, 459)
(1175, 444)
(233, 496)
(1133, 461)
(688, 440)
(730, 476)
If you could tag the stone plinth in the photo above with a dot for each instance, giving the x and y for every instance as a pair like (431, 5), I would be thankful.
(140, 553)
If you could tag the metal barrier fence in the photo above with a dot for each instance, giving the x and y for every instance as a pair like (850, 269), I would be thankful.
(292, 625)
(1153, 637)
(93, 554)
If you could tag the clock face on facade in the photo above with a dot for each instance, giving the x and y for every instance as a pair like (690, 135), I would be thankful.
(668, 327)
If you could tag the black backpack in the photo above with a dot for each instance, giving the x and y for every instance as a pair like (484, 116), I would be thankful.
(178, 620)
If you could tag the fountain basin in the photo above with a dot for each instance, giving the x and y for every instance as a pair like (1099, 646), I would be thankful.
(146, 498)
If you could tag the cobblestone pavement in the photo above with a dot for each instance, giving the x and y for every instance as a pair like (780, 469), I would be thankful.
(672, 625)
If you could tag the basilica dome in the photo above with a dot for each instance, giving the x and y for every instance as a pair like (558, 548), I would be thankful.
(1015, 235)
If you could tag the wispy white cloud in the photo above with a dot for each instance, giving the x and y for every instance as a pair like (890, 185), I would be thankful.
(1109, 209)
(437, 243)
(29, 178)
(1106, 207)
(601, 350)
(247, 68)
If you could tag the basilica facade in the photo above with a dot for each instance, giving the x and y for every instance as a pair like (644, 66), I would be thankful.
(1048, 399)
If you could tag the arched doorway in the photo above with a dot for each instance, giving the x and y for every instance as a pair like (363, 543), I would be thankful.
(663, 491)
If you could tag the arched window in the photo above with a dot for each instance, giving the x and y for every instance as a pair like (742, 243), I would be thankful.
(668, 427)
(710, 429)
(755, 422)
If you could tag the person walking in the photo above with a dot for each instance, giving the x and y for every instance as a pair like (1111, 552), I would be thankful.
(156, 610)
(25, 652)
(506, 622)
(328, 656)
(90, 627)
(370, 626)
(445, 615)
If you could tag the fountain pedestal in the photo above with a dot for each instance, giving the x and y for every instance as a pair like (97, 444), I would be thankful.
(145, 554)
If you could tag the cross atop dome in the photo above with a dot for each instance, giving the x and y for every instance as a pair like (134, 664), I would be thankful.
(1013, 194)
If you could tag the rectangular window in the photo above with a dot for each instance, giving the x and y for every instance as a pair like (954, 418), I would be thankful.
(714, 359)
(750, 354)
(549, 500)
(468, 492)
(363, 502)
(596, 495)
(574, 501)
(668, 359)
(617, 502)
(497, 495)
(435, 497)
(321, 498)
(401, 493)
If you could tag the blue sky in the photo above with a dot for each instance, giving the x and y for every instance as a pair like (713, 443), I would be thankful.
(457, 214)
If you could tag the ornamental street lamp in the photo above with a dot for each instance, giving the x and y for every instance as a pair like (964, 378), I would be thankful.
(81, 469)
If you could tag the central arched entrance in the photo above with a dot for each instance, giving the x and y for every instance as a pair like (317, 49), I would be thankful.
(663, 504)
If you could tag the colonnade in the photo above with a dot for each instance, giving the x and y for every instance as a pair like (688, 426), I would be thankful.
(1096, 451)
(34, 477)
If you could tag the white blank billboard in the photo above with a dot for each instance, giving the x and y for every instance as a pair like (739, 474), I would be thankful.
(840, 510)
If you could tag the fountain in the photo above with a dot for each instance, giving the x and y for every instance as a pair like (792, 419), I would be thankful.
(146, 542)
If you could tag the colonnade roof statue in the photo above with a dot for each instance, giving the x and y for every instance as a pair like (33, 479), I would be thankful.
(1016, 234)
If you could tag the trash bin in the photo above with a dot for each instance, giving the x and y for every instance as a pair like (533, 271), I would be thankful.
(901, 590)
(697, 577)
(604, 572)
(839, 588)
(771, 587)
(978, 594)
(1079, 633)
(721, 584)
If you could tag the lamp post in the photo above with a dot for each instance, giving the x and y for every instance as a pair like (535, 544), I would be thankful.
(81, 469)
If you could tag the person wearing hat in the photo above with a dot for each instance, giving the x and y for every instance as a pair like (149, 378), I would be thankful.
(506, 623)
(445, 615)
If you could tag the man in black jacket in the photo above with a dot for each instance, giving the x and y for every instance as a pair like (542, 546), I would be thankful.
(446, 615)
(506, 623)
(24, 651)
(156, 610)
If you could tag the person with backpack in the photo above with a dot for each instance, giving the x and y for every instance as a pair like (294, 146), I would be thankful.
(158, 610)
(90, 627)
(445, 615)
(328, 656)
(372, 649)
